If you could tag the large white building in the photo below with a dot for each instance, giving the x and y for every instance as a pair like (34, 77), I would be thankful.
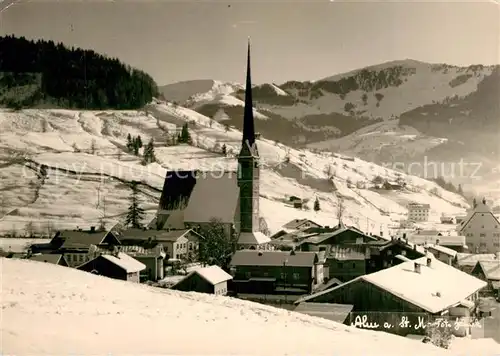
(418, 212)
(481, 229)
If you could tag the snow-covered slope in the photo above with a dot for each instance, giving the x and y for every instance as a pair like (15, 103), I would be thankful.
(54, 310)
(381, 142)
(88, 168)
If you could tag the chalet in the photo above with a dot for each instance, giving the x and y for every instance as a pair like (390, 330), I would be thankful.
(56, 259)
(467, 261)
(74, 245)
(391, 185)
(177, 244)
(481, 229)
(340, 236)
(489, 271)
(212, 280)
(195, 198)
(384, 254)
(414, 291)
(346, 262)
(114, 265)
(422, 237)
(299, 224)
(334, 312)
(444, 254)
(273, 272)
(151, 255)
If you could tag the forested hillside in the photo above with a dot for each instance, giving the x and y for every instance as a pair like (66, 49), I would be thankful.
(35, 73)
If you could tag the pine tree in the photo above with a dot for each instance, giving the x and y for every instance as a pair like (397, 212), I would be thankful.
(130, 143)
(135, 213)
(138, 141)
(185, 136)
(136, 144)
(224, 149)
(460, 189)
(316, 205)
(149, 153)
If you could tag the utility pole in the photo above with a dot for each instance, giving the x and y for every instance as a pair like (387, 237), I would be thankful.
(98, 196)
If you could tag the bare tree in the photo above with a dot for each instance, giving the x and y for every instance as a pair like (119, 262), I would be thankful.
(119, 154)
(340, 209)
(3, 206)
(50, 228)
(29, 229)
(92, 147)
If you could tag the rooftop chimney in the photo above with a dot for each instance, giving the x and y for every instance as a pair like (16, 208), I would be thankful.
(437, 241)
(484, 201)
(415, 247)
(417, 267)
(381, 233)
(260, 253)
(429, 262)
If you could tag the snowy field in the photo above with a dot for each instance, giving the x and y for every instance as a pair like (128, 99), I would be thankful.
(54, 310)
(89, 169)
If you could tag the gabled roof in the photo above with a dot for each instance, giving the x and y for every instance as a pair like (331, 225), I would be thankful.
(430, 289)
(470, 259)
(50, 258)
(297, 223)
(442, 249)
(491, 269)
(433, 239)
(274, 258)
(480, 208)
(321, 237)
(158, 235)
(253, 238)
(200, 196)
(212, 274)
(81, 239)
(124, 261)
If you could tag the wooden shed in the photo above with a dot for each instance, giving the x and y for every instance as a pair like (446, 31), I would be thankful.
(117, 266)
(211, 280)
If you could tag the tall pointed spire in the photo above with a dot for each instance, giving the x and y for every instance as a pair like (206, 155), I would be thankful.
(248, 124)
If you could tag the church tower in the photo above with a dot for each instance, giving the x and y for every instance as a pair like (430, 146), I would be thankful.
(249, 174)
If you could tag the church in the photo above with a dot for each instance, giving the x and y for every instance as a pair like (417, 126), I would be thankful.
(192, 199)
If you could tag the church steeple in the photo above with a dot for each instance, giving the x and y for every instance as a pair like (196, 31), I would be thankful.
(248, 139)
(248, 165)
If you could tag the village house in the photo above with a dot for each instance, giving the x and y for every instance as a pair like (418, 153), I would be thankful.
(413, 292)
(117, 265)
(151, 254)
(418, 212)
(384, 254)
(75, 244)
(192, 199)
(467, 261)
(447, 219)
(211, 280)
(489, 271)
(444, 254)
(423, 237)
(180, 244)
(56, 259)
(295, 226)
(481, 229)
(346, 262)
(275, 272)
(392, 185)
(342, 235)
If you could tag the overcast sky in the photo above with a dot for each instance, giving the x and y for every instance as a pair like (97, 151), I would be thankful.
(292, 40)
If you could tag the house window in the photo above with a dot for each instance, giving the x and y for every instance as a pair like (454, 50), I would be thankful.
(496, 244)
(482, 235)
(403, 252)
(389, 253)
(339, 265)
(296, 276)
(283, 275)
(248, 275)
(482, 244)
(354, 265)
(266, 274)
(80, 258)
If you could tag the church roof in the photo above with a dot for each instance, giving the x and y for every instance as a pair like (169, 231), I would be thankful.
(198, 197)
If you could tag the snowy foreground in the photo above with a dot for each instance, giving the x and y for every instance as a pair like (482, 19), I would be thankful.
(48, 309)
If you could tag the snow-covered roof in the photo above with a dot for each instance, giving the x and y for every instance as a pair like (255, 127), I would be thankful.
(129, 264)
(253, 238)
(442, 249)
(213, 274)
(422, 289)
(491, 269)
(470, 259)
(429, 289)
